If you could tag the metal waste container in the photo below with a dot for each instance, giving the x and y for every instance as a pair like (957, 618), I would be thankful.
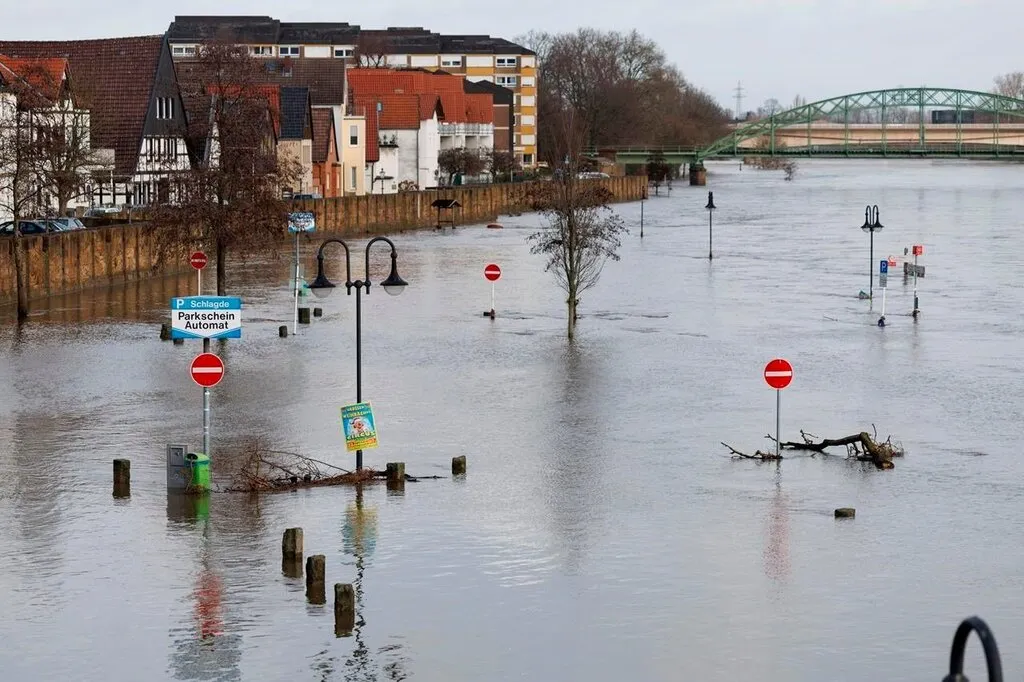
(178, 472)
(199, 466)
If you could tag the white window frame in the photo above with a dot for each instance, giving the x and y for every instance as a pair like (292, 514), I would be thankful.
(289, 50)
(343, 52)
(183, 50)
(261, 50)
(452, 63)
(506, 62)
(353, 178)
(507, 81)
(353, 133)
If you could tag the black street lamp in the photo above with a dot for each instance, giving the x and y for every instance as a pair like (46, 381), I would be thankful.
(322, 286)
(711, 209)
(871, 223)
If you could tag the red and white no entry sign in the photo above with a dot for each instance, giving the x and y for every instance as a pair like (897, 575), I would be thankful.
(778, 373)
(492, 272)
(207, 370)
(198, 260)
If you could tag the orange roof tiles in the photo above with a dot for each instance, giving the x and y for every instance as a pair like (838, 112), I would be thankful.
(458, 107)
(44, 76)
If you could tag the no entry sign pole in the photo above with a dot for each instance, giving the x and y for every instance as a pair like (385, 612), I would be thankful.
(777, 374)
(493, 273)
(198, 261)
(207, 370)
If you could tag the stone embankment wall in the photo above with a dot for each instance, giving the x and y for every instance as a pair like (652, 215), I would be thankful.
(70, 261)
(66, 261)
(410, 210)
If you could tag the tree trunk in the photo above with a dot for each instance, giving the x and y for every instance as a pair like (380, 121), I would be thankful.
(20, 276)
(571, 303)
(221, 268)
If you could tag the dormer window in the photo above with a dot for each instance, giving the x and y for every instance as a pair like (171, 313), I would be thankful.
(164, 108)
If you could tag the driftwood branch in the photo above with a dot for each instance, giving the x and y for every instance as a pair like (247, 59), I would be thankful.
(860, 446)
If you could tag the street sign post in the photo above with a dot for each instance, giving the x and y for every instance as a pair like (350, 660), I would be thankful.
(493, 273)
(778, 374)
(298, 223)
(207, 370)
(206, 317)
(883, 276)
(918, 251)
(198, 260)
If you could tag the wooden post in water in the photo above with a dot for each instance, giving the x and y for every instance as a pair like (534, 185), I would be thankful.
(459, 465)
(344, 609)
(846, 513)
(291, 544)
(122, 478)
(396, 472)
(316, 576)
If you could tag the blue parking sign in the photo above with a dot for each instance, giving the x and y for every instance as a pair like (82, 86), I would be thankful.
(883, 266)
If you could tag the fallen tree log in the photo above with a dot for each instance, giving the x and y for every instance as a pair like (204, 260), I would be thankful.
(862, 447)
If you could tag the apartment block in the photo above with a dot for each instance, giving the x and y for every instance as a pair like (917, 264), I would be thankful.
(477, 58)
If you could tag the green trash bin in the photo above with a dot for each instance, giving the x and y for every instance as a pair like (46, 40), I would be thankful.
(199, 466)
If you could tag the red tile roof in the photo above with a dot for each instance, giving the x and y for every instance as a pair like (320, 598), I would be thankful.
(458, 106)
(43, 77)
(323, 132)
(114, 80)
(398, 112)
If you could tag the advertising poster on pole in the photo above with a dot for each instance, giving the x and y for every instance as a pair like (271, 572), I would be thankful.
(301, 222)
(359, 427)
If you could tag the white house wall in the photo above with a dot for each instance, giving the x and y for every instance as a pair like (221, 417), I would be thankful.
(429, 148)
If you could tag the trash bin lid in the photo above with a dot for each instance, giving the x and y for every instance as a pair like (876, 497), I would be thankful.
(197, 458)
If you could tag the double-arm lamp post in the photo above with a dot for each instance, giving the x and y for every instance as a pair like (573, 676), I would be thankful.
(322, 286)
(871, 223)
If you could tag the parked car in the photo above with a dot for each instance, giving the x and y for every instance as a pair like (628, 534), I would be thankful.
(315, 195)
(64, 224)
(27, 227)
(103, 210)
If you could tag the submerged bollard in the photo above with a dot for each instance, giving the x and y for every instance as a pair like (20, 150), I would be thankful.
(459, 465)
(396, 472)
(165, 331)
(178, 342)
(303, 315)
(316, 574)
(845, 513)
(122, 478)
(291, 544)
(318, 312)
(344, 609)
(282, 331)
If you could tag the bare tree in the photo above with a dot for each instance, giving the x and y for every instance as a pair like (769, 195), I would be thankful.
(582, 233)
(501, 164)
(372, 50)
(622, 89)
(1010, 84)
(658, 171)
(18, 163)
(231, 201)
(461, 161)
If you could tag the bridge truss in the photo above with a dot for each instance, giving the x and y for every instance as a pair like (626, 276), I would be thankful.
(838, 110)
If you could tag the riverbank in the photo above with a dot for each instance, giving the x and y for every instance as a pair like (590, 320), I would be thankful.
(65, 262)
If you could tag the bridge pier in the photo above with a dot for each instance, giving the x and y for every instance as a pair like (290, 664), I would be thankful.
(698, 174)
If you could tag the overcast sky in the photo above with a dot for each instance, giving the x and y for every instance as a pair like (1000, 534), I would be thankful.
(776, 48)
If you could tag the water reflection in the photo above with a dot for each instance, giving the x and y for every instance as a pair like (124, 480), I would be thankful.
(776, 551)
(204, 651)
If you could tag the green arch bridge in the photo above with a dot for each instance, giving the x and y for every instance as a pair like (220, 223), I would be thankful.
(972, 124)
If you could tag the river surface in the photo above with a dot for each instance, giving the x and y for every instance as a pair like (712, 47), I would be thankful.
(602, 531)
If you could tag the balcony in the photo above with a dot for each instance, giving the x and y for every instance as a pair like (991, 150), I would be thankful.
(466, 128)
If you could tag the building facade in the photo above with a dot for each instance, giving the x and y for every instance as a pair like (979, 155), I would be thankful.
(477, 58)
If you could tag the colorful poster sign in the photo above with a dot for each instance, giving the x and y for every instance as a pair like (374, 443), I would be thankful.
(301, 222)
(358, 426)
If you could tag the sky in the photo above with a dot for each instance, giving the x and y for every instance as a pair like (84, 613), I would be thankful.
(775, 48)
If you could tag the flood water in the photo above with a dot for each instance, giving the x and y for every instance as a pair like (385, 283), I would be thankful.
(602, 531)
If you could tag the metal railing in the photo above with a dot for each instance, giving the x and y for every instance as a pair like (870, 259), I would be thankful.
(988, 643)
